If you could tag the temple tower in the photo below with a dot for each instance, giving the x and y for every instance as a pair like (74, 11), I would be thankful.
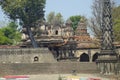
(82, 28)
(81, 33)
(107, 58)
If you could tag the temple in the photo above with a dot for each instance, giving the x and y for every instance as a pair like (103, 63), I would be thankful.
(60, 34)
(61, 39)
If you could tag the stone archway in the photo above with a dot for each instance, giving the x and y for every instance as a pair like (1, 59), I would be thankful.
(95, 56)
(84, 57)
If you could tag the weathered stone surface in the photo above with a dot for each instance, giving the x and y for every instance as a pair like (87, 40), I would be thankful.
(46, 68)
(28, 55)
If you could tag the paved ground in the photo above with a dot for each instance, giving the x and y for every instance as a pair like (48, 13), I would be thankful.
(65, 76)
(56, 76)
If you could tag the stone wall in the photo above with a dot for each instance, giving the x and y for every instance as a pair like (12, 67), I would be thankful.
(41, 55)
(29, 55)
(46, 68)
(91, 53)
(40, 60)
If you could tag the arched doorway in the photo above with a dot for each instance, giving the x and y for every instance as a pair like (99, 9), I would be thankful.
(84, 57)
(95, 56)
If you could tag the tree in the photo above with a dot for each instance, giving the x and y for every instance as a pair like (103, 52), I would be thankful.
(4, 40)
(116, 23)
(95, 21)
(13, 25)
(27, 11)
(75, 19)
(51, 17)
(59, 19)
(55, 19)
(9, 34)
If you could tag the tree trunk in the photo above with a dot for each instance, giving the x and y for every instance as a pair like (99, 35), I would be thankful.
(34, 43)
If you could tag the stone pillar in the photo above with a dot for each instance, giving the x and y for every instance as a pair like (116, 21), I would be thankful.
(90, 55)
(107, 54)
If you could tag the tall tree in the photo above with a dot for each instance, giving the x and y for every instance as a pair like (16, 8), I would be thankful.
(54, 19)
(51, 17)
(27, 11)
(59, 19)
(95, 21)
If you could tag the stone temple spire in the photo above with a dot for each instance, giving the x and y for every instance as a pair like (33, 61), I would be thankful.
(107, 58)
(82, 28)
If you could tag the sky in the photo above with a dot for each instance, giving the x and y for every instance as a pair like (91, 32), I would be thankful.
(66, 7)
(69, 7)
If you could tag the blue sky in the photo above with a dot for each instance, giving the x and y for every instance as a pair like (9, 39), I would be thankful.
(66, 7)
(69, 7)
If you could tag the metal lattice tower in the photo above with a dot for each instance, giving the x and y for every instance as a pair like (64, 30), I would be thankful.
(107, 58)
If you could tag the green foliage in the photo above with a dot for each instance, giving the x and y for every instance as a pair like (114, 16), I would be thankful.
(54, 19)
(27, 11)
(4, 40)
(9, 34)
(13, 25)
(51, 17)
(116, 21)
(116, 13)
(117, 30)
(95, 22)
(75, 20)
(59, 18)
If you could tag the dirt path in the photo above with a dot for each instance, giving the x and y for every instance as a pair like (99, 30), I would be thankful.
(56, 76)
